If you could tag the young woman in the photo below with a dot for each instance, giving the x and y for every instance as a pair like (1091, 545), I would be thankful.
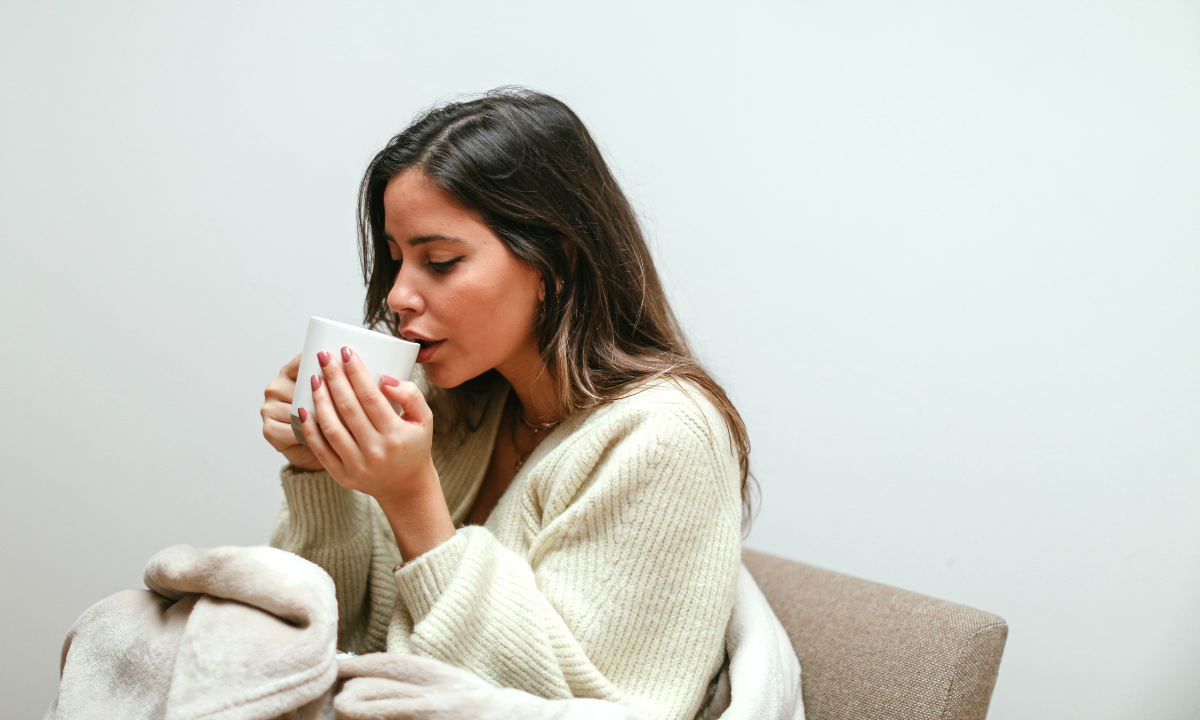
(559, 508)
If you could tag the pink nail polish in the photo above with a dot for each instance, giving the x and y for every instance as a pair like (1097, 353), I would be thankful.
(316, 382)
(323, 358)
(389, 380)
(346, 355)
(303, 414)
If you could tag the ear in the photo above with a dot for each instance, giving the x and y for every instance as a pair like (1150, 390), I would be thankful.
(558, 286)
(569, 249)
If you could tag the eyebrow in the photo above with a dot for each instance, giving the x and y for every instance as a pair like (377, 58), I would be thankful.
(413, 242)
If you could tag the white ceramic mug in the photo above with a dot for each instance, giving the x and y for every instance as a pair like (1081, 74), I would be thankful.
(382, 354)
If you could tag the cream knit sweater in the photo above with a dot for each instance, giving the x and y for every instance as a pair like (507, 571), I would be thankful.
(606, 570)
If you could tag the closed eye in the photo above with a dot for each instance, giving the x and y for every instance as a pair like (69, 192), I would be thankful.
(444, 266)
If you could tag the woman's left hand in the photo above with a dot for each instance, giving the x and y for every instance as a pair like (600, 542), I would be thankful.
(361, 440)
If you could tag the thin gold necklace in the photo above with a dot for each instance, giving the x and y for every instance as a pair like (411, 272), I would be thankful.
(519, 414)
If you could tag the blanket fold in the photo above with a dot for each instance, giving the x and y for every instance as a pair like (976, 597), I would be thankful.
(250, 633)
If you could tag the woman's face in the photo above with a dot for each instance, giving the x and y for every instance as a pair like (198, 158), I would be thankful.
(460, 291)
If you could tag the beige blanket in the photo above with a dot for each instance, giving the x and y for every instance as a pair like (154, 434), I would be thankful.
(250, 633)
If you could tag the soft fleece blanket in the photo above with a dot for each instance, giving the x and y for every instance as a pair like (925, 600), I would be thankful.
(250, 633)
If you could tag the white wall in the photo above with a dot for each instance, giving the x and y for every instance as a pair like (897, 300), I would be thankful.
(944, 255)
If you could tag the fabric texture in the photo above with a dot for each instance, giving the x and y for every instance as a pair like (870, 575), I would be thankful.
(873, 651)
(761, 678)
(246, 633)
(761, 681)
(263, 649)
(607, 570)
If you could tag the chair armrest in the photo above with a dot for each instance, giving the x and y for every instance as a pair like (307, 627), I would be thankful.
(872, 651)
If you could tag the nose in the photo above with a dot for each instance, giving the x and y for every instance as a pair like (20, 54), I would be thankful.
(404, 298)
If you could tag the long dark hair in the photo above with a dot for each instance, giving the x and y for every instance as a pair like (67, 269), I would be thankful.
(525, 162)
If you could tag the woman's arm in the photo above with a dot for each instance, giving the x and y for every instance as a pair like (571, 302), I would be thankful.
(336, 528)
(341, 531)
(634, 536)
(357, 435)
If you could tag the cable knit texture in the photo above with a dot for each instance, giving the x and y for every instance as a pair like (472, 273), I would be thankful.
(607, 569)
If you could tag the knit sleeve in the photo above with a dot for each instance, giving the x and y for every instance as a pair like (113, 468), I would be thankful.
(346, 534)
(626, 589)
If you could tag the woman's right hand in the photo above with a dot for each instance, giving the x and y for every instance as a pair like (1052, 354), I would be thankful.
(277, 424)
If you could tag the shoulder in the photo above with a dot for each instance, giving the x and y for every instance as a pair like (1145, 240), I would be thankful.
(663, 445)
(672, 407)
(656, 426)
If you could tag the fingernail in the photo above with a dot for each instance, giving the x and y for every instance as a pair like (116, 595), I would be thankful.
(346, 355)
(389, 380)
(323, 358)
(316, 382)
(303, 414)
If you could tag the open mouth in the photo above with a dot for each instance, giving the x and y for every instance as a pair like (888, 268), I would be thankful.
(428, 347)
(423, 343)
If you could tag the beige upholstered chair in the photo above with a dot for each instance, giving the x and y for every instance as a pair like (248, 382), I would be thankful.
(869, 651)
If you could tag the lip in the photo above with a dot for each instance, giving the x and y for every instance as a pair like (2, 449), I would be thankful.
(411, 336)
(427, 351)
(429, 346)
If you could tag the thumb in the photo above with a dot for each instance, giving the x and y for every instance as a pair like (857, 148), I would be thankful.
(408, 396)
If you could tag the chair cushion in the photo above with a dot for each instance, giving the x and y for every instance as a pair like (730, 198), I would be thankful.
(872, 651)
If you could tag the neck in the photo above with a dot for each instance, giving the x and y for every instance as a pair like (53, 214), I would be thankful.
(533, 385)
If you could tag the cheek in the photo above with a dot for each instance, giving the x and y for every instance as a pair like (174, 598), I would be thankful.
(504, 314)
(496, 317)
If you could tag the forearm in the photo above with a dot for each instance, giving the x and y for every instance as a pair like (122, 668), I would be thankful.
(341, 531)
(613, 580)
(420, 519)
(321, 514)
(650, 640)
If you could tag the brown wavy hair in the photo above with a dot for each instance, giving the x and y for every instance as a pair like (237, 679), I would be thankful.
(527, 165)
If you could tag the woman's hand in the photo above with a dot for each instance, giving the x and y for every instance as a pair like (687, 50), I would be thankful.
(277, 424)
(361, 440)
(366, 446)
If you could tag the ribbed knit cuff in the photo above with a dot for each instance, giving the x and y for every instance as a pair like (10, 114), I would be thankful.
(320, 512)
(423, 580)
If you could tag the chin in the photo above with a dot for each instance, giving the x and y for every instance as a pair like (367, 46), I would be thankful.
(436, 378)
(443, 377)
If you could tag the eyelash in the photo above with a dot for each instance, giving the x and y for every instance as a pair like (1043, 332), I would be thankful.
(437, 267)
(444, 267)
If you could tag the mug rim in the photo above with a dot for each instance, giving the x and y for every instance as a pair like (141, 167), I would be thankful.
(367, 331)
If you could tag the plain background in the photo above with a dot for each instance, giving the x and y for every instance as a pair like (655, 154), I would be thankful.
(943, 255)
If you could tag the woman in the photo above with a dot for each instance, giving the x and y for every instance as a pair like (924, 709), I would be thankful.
(559, 507)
